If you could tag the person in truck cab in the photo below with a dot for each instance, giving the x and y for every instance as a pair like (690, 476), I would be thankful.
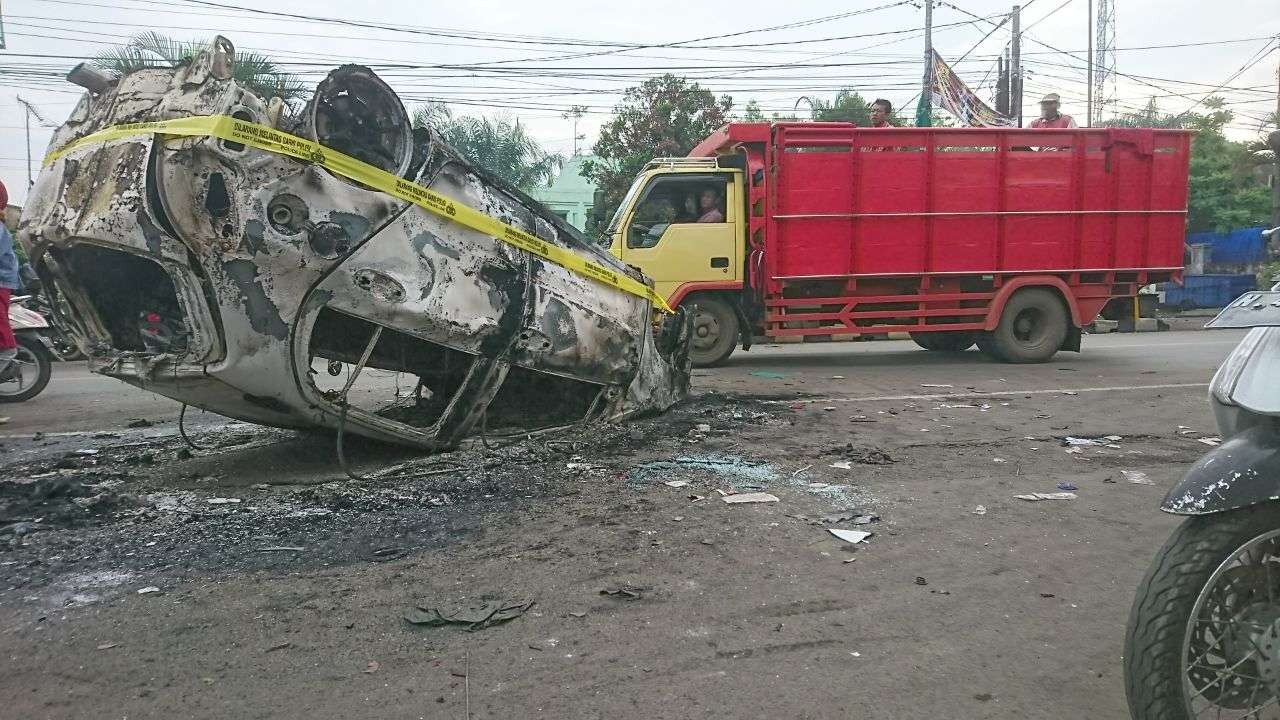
(1050, 116)
(881, 109)
(709, 206)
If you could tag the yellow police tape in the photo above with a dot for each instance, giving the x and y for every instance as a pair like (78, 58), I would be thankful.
(272, 140)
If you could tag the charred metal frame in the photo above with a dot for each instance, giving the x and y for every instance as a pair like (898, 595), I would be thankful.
(275, 264)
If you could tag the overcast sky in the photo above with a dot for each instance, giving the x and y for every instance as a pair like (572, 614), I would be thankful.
(535, 59)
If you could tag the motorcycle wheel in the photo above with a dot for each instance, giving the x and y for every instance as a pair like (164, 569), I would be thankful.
(35, 367)
(1204, 631)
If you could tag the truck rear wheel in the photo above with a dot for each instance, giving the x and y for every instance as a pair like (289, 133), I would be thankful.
(715, 331)
(944, 341)
(1032, 328)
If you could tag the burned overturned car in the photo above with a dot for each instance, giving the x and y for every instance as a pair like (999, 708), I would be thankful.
(272, 290)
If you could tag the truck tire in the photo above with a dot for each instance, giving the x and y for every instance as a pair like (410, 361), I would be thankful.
(944, 341)
(1032, 328)
(715, 330)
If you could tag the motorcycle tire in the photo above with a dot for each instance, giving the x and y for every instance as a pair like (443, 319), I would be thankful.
(1158, 623)
(44, 365)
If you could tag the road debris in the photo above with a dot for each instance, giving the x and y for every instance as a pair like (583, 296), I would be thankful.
(1034, 497)
(1068, 487)
(281, 548)
(770, 374)
(222, 501)
(108, 646)
(842, 465)
(469, 618)
(623, 592)
(980, 510)
(1137, 477)
(371, 667)
(676, 483)
(935, 385)
(148, 590)
(850, 536)
(1210, 441)
(751, 497)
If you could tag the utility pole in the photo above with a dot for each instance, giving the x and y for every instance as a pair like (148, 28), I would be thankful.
(924, 109)
(31, 110)
(1088, 121)
(1274, 141)
(575, 113)
(1015, 67)
(1002, 84)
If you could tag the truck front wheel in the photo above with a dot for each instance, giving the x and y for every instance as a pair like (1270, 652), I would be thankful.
(715, 331)
(1032, 328)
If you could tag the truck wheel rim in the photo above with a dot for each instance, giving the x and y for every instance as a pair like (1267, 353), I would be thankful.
(1231, 648)
(1029, 326)
(27, 372)
(706, 330)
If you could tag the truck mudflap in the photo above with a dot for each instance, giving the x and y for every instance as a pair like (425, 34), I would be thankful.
(271, 290)
(1244, 470)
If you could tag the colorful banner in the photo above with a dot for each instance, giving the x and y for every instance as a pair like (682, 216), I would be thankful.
(950, 92)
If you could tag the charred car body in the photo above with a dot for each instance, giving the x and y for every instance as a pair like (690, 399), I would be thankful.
(271, 290)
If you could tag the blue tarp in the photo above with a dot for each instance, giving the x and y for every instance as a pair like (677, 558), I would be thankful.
(1207, 291)
(1240, 247)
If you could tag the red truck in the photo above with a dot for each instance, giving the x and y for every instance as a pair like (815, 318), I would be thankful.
(1010, 239)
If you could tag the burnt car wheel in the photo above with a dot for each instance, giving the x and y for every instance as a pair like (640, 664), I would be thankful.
(30, 373)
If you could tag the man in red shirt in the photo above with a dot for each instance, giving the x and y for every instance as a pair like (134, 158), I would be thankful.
(1050, 118)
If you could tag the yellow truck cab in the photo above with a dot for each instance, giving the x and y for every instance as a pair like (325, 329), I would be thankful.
(682, 223)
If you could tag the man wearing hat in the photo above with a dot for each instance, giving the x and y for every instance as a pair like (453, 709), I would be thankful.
(9, 282)
(1050, 118)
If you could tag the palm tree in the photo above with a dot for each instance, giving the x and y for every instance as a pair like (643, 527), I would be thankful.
(499, 145)
(256, 72)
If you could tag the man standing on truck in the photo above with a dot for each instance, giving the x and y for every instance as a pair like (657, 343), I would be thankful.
(1050, 117)
(881, 109)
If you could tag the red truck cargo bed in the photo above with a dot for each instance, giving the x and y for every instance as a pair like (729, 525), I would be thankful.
(848, 202)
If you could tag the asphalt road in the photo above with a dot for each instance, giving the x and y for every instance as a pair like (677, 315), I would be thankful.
(79, 401)
(1014, 612)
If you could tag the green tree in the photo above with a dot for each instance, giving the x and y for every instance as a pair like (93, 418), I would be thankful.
(663, 117)
(848, 106)
(1226, 190)
(751, 112)
(256, 72)
(500, 146)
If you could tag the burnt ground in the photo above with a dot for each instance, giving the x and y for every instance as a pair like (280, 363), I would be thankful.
(291, 602)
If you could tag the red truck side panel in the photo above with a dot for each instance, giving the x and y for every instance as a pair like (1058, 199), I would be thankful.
(932, 229)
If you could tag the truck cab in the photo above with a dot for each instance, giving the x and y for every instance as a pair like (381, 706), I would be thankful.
(682, 223)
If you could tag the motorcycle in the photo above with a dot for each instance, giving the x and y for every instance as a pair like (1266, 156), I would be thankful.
(1203, 638)
(30, 371)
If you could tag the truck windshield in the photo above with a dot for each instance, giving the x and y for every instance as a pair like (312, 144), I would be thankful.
(626, 202)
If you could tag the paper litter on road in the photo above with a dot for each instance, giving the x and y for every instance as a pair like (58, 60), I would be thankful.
(980, 510)
(934, 385)
(1210, 441)
(1073, 450)
(842, 465)
(1034, 497)
(753, 497)
(1137, 477)
(222, 501)
(676, 483)
(850, 536)
(148, 590)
